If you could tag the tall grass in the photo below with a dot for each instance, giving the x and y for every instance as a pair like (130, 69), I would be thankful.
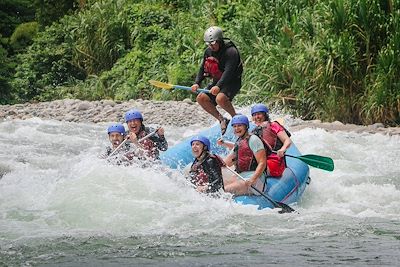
(100, 36)
(331, 59)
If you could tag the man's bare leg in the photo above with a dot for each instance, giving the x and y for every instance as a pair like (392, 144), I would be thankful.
(224, 102)
(205, 102)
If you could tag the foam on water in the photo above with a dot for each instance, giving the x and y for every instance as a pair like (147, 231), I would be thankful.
(56, 185)
(366, 179)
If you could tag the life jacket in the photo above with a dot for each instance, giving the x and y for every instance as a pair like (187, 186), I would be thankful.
(276, 165)
(124, 149)
(244, 156)
(268, 136)
(211, 68)
(122, 157)
(212, 63)
(148, 145)
(207, 171)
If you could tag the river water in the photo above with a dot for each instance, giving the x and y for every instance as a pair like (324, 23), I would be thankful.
(60, 205)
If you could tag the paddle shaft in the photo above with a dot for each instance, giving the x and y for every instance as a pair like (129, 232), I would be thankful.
(283, 206)
(140, 140)
(172, 86)
(117, 148)
(190, 89)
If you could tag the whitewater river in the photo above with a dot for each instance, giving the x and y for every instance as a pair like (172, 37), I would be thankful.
(60, 205)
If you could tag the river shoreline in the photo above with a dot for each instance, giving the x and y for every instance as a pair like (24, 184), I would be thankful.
(177, 113)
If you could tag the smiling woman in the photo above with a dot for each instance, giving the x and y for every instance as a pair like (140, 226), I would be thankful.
(152, 145)
(205, 172)
(249, 155)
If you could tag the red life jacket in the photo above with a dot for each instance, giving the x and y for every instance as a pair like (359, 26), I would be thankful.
(245, 160)
(211, 68)
(270, 137)
(276, 165)
(198, 175)
(148, 145)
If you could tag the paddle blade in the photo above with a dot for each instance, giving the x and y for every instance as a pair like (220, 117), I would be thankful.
(317, 161)
(161, 84)
(285, 208)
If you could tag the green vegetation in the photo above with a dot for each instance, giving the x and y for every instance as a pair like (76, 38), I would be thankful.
(329, 60)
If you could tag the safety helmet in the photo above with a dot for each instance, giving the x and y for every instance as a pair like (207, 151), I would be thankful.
(259, 108)
(213, 33)
(118, 127)
(240, 119)
(204, 140)
(132, 115)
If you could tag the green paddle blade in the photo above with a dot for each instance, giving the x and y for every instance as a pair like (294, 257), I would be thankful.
(317, 161)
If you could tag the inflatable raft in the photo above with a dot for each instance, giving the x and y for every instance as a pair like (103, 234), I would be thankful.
(286, 189)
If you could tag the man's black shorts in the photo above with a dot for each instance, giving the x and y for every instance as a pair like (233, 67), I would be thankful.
(230, 90)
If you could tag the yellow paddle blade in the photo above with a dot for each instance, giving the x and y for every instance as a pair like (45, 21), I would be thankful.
(161, 84)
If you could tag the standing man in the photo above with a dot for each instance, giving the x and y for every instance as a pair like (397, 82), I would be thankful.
(221, 63)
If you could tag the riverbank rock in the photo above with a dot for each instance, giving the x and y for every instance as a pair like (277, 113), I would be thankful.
(177, 113)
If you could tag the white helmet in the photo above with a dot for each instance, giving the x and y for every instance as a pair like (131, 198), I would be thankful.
(213, 33)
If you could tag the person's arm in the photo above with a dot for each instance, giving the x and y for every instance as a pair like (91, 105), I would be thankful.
(200, 74)
(232, 61)
(227, 144)
(261, 158)
(282, 136)
(158, 138)
(257, 147)
(285, 139)
(162, 143)
(230, 159)
(105, 154)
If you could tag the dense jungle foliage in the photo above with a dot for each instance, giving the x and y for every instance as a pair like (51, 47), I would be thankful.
(329, 59)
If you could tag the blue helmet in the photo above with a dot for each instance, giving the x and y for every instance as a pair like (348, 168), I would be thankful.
(259, 108)
(118, 127)
(204, 140)
(132, 115)
(240, 119)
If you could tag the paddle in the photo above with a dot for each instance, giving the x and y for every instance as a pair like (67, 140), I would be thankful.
(172, 86)
(285, 208)
(316, 161)
(117, 148)
(140, 140)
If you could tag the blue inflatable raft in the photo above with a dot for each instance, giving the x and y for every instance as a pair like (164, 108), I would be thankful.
(286, 189)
